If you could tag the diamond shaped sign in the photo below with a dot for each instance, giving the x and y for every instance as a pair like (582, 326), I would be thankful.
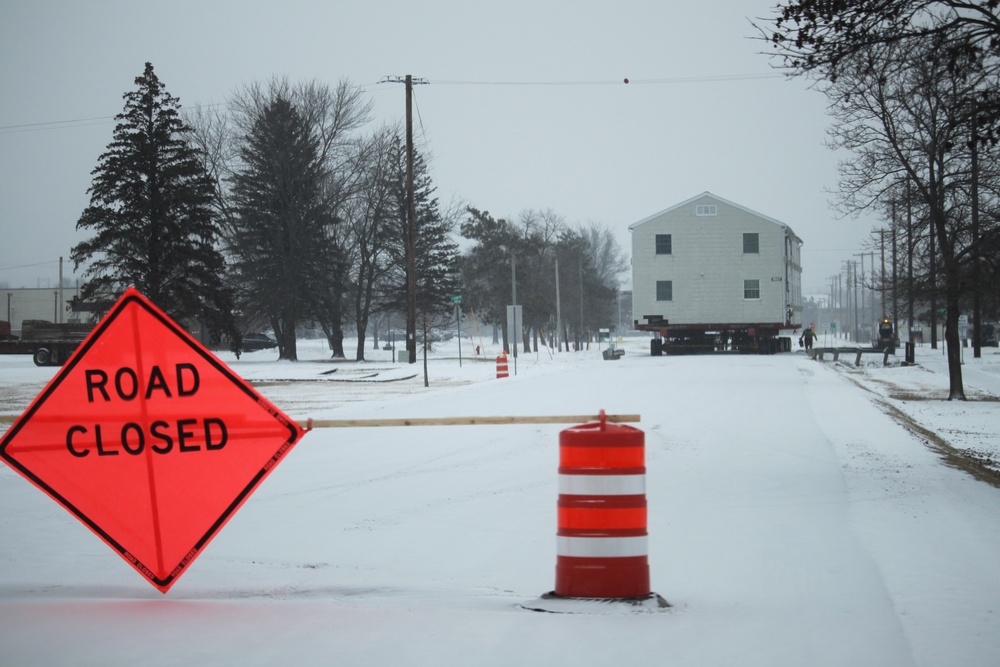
(148, 439)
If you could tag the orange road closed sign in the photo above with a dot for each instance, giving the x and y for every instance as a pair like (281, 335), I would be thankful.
(148, 439)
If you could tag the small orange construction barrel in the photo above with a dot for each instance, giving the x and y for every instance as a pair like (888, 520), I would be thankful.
(502, 365)
(602, 543)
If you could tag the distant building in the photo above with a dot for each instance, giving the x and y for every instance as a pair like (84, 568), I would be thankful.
(711, 261)
(39, 303)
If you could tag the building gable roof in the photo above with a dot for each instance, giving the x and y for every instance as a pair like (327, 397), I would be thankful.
(719, 199)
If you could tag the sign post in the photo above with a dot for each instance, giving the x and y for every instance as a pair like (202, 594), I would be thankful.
(963, 334)
(148, 439)
(457, 299)
(514, 320)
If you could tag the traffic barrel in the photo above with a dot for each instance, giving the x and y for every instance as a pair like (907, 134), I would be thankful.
(502, 365)
(602, 543)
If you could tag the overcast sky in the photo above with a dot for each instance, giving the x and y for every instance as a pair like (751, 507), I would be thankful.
(525, 107)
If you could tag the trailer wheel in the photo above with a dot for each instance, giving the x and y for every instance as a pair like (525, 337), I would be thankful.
(42, 357)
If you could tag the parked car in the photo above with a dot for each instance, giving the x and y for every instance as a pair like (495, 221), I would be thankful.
(257, 341)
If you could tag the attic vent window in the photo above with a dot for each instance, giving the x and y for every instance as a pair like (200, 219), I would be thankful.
(706, 209)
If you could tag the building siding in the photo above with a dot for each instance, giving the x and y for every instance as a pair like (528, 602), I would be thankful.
(707, 266)
(40, 303)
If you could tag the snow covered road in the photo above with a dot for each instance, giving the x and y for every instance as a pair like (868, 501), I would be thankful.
(791, 523)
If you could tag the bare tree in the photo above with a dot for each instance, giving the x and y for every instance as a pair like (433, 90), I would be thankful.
(610, 260)
(904, 118)
(369, 216)
(212, 134)
(324, 119)
(824, 37)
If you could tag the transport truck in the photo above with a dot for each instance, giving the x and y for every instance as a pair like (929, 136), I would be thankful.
(48, 343)
(717, 337)
(710, 275)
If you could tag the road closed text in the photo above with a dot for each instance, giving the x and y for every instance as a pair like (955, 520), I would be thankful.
(158, 389)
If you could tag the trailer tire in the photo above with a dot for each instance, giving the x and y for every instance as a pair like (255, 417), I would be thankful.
(42, 357)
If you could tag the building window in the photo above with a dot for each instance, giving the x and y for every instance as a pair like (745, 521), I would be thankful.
(663, 245)
(706, 209)
(664, 290)
(751, 243)
(751, 289)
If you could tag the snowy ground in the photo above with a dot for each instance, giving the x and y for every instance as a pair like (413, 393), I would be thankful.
(794, 518)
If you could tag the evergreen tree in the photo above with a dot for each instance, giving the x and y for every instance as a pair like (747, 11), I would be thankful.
(281, 222)
(486, 265)
(436, 254)
(151, 214)
(589, 264)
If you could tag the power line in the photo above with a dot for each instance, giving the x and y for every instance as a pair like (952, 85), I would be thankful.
(617, 82)
(420, 119)
(27, 266)
(77, 122)
(100, 120)
(55, 125)
(55, 122)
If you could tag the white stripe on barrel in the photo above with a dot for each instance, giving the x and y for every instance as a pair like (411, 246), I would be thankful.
(602, 547)
(602, 485)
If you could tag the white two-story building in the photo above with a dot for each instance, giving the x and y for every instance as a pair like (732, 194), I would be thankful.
(711, 264)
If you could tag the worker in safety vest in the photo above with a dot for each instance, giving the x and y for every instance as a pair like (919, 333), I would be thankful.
(808, 336)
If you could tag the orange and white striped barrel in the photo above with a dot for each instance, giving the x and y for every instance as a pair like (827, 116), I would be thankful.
(602, 541)
(502, 366)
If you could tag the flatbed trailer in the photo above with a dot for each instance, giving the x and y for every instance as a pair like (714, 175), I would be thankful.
(48, 343)
(717, 337)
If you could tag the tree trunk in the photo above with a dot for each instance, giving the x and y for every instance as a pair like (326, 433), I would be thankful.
(362, 325)
(956, 392)
(360, 356)
(285, 333)
(952, 294)
(337, 343)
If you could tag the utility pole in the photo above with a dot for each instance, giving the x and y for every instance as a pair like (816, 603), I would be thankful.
(844, 287)
(559, 335)
(833, 305)
(871, 258)
(932, 259)
(895, 271)
(411, 252)
(580, 334)
(881, 234)
(61, 298)
(909, 261)
(861, 289)
(976, 276)
(840, 305)
(515, 332)
(854, 289)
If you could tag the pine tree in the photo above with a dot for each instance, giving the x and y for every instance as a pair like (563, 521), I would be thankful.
(486, 265)
(436, 256)
(281, 223)
(151, 213)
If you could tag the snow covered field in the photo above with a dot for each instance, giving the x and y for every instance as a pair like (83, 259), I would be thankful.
(793, 521)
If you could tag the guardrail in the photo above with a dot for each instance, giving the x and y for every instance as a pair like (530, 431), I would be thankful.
(817, 353)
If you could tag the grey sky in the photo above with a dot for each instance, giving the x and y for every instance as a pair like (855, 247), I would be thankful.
(526, 105)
